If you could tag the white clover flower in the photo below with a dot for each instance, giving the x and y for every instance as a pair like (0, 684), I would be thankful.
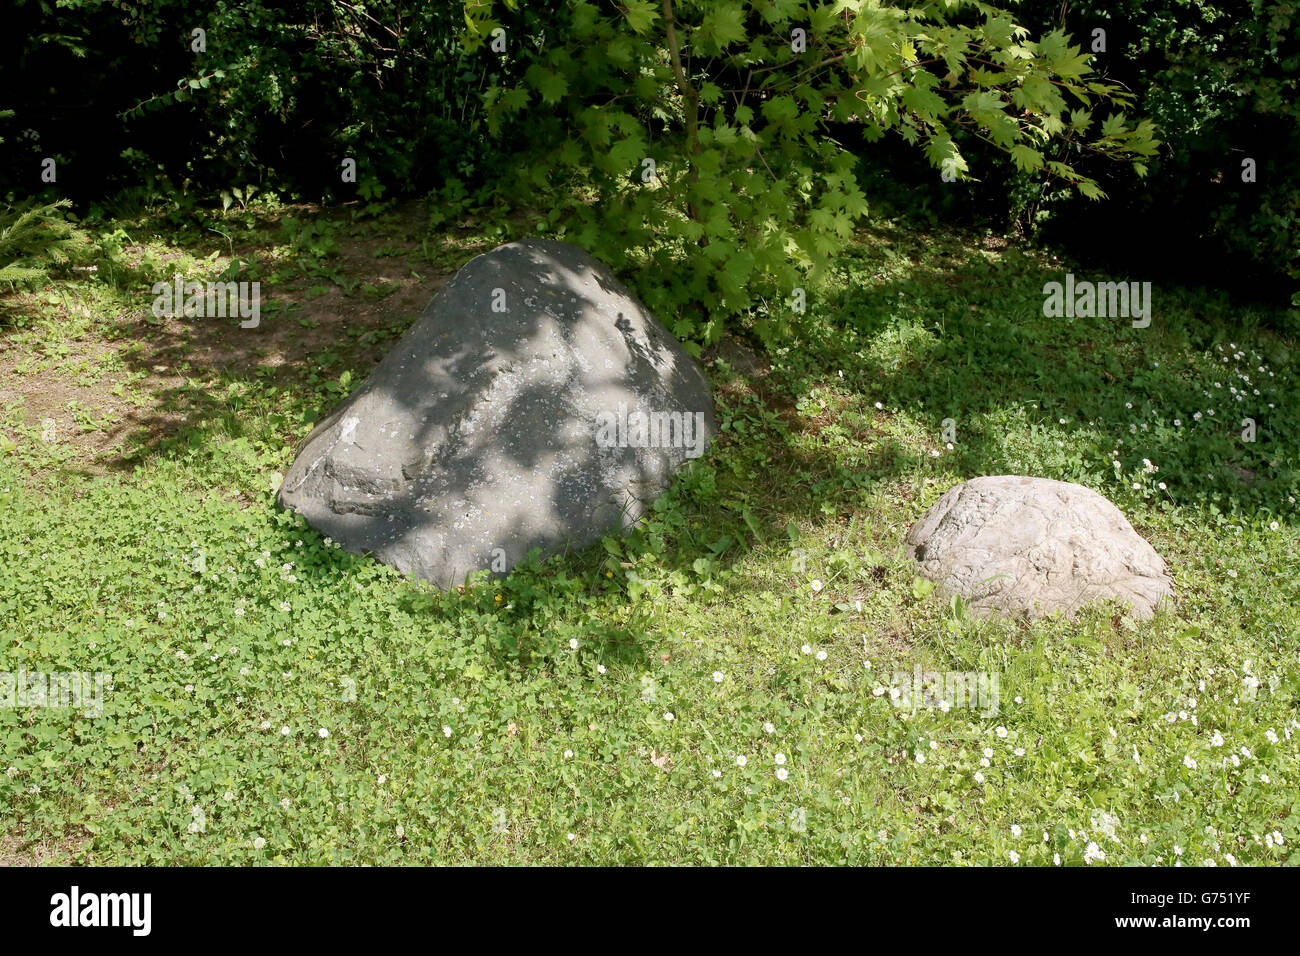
(258, 843)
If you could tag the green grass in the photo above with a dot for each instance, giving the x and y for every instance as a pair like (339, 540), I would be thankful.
(765, 605)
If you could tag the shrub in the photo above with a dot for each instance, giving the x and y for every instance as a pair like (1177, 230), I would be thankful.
(34, 239)
(705, 126)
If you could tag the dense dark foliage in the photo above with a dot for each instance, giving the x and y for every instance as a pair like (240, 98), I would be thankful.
(122, 98)
(278, 97)
(1221, 82)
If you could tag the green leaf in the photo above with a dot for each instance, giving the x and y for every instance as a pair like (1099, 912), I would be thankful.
(641, 14)
(725, 25)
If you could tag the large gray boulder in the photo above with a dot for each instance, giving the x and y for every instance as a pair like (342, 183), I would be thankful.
(1010, 544)
(535, 404)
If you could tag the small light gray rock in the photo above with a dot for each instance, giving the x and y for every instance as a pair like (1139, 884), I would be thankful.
(1034, 546)
(535, 404)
